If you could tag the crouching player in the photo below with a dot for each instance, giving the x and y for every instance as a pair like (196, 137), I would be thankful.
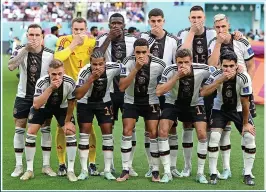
(54, 96)
(231, 104)
(93, 96)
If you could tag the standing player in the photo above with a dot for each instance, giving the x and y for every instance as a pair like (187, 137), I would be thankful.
(139, 78)
(162, 45)
(33, 60)
(245, 61)
(183, 81)
(93, 97)
(117, 45)
(197, 38)
(231, 104)
(75, 50)
(54, 96)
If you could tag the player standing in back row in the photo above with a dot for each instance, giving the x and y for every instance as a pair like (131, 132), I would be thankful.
(33, 60)
(117, 45)
(75, 50)
(163, 45)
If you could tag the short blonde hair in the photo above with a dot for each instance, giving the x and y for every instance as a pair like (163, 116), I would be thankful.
(219, 17)
(55, 63)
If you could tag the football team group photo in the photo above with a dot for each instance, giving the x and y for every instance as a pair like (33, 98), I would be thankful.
(132, 95)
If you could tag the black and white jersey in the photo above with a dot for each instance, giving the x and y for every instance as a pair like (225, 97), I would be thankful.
(116, 52)
(164, 48)
(34, 66)
(60, 96)
(186, 90)
(142, 90)
(230, 92)
(241, 47)
(199, 45)
(99, 91)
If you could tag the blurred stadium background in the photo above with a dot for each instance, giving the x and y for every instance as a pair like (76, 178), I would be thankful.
(16, 16)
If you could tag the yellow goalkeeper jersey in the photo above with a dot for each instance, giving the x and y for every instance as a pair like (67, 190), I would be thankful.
(74, 61)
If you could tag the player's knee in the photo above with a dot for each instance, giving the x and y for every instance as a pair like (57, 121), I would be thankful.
(215, 137)
(70, 131)
(32, 131)
(153, 134)
(163, 132)
(127, 131)
(21, 123)
(249, 140)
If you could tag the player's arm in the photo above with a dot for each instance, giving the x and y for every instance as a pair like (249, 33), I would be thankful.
(165, 85)
(40, 100)
(249, 58)
(17, 58)
(245, 92)
(188, 40)
(70, 109)
(211, 85)
(214, 53)
(83, 89)
(125, 81)
(251, 67)
(62, 53)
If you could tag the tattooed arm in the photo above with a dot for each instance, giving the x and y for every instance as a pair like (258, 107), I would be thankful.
(15, 61)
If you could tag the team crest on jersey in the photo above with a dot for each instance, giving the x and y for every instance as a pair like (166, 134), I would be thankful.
(200, 49)
(185, 82)
(33, 68)
(228, 93)
(141, 80)
(15, 111)
(15, 53)
(187, 88)
(30, 116)
(118, 54)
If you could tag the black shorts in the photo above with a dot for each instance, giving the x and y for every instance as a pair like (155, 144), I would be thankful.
(148, 112)
(184, 114)
(22, 108)
(38, 116)
(208, 103)
(117, 102)
(162, 101)
(219, 119)
(252, 106)
(102, 111)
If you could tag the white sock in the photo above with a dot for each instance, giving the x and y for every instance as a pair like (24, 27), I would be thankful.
(126, 147)
(225, 147)
(134, 139)
(19, 144)
(155, 157)
(147, 147)
(71, 148)
(187, 146)
(213, 151)
(250, 152)
(108, 149)
(173, 143)
(202, 154)
(164, 151)
(84, 150)
(30, 149)
(46, 143)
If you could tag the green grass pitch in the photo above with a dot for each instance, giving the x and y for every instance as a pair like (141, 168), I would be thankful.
(42, 182)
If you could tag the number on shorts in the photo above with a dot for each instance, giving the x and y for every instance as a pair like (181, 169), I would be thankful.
(198, 110)
(153, 109)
